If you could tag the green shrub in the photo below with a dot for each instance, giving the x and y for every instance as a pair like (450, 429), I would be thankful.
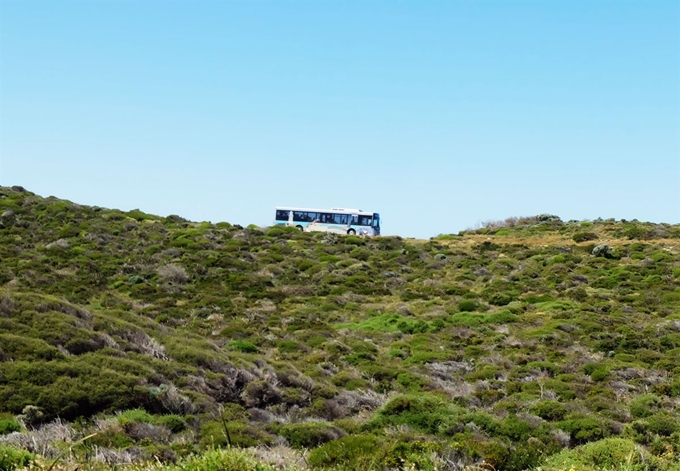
(663, 424)
(605, 454)
(549, 410)
(424, 412)
(135, 416)
(9, 426)
(467, 319)
(674, 388)
(26, 348)
(411, 455)
(413, 326)
(304, 264)
(410, 381)
(289, 346)
(275, 232)
(584, 236)
(644, 405)
(243, 346)
(352, 452)
(499, 299)
(111, 438)
(488, 424)
(447, 237)
(517, 430)
(389, 323)
(474, 319)
(354, 240)
(139, 215)
(173, 422)
(213, 434)
(309, 434)
(467, 305)
(544, 366)
(528, 455)
(11, 458)
(599, 375)
(637, 232)
(500, 317)
(231, 459)
(484, 372)
(584, 430)
(596, 371)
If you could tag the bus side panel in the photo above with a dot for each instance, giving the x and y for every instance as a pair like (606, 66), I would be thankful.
(279, 222)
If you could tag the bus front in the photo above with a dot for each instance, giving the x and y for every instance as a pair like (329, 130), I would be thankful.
(376, 223)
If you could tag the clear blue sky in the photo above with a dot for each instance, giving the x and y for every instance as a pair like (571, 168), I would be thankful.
(437, 114)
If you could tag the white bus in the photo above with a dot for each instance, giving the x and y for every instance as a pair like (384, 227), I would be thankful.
(350, 221)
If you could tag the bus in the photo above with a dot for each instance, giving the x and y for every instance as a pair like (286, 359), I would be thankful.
(349, 221)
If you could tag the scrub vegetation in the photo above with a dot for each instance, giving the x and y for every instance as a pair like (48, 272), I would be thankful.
(131, 341)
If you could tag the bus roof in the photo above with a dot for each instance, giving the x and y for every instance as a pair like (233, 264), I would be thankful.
(331, 210)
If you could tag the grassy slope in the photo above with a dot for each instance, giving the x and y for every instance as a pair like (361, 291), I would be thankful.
(509, 343)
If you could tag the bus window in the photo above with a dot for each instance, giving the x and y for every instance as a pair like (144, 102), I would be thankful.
(364, 220)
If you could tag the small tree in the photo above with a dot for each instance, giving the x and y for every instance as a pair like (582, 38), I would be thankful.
(31, 415)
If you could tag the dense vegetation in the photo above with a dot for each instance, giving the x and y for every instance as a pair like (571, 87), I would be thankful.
(532, 342)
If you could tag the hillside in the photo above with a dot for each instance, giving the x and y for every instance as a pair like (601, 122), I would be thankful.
(528, 342)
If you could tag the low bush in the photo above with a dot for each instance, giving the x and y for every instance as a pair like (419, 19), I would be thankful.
(9, 426)
(309, 434)
(663, 424)
(584, 430)
(423, 412)
(231, 459)
(131, 416)
(596, 371)
(238, 434)
(584, 236)
(549, 410)
(274, 232)
(351, 452)
(12, 458)
(467, 305)
(354, 240)
(605, 454)
(260, 393)
(644, 405)
(411, 455)
(243, 346)
(174, 423)
(112, 437)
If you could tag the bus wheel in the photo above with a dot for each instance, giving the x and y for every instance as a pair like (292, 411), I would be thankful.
(351, 232)
(299, 227)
